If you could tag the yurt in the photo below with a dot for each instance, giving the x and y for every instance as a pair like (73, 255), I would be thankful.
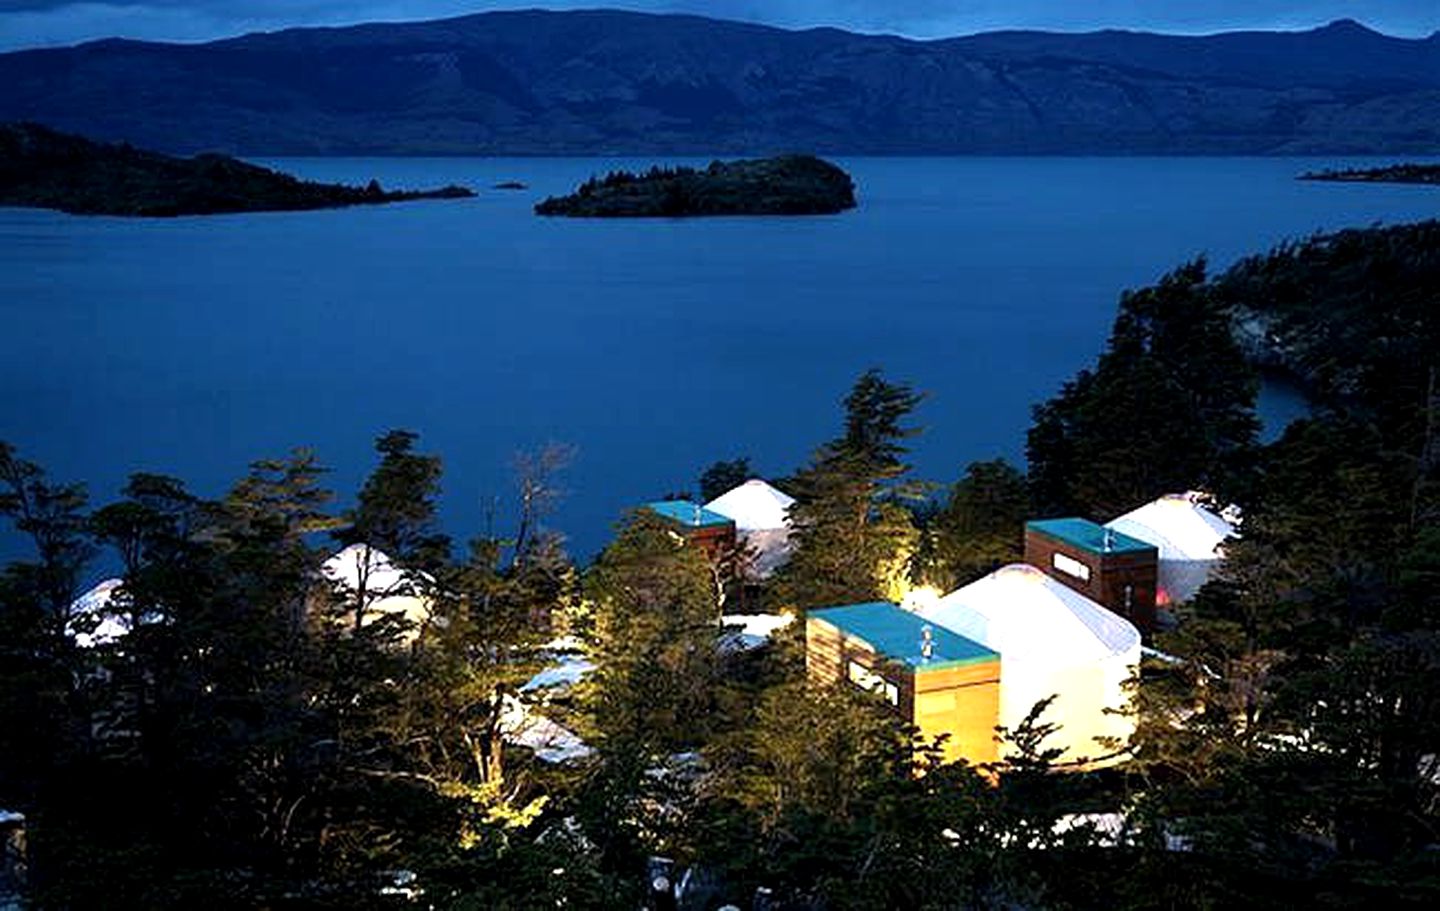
(389, 589)
(95, 617)
(761, 517)
(1189, 536)
(1052, 641)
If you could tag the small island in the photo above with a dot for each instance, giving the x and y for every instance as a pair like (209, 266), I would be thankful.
(1395, 173)
(46, 169)
(785, 185)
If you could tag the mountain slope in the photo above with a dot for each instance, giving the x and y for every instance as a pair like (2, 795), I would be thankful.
(598, 82)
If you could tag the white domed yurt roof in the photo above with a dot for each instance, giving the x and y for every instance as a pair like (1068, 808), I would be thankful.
(97, 606)
(754, 506)
(1179, 525)
(381, 574)
(1025, 615)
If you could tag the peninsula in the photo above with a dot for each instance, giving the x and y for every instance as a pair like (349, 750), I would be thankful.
(1395, 173)
(786, 185)
(47, 169)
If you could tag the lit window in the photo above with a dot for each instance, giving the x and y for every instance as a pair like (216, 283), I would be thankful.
(867, 679)
(1072, 567)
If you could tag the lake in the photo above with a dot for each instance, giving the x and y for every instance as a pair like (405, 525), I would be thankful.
(193, 346)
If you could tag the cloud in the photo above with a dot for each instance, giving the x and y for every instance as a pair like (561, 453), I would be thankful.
(47, 22)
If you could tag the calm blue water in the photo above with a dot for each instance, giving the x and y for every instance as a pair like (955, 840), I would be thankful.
(195, 345)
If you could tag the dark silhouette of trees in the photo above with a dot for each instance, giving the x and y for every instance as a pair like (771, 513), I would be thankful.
(853, 537)
(1169, 407)
(722, 477)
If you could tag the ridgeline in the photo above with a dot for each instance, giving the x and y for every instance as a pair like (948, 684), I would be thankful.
(586, 82)
(786, 185)
(46, 169)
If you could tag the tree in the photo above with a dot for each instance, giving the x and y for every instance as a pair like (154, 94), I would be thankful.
(981, 526)
(53, 517)
(395, 515)
(722, 477)
(1285, 741)
(653, 690)
(538, 492)
(818, 800)
(853, 540)
(42, 724)
(395, 511)
(156, 511)
(1169, 407)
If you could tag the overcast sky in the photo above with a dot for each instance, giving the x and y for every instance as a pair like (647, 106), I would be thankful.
(27, 23)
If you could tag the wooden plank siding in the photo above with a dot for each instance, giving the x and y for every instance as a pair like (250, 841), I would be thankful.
(962, 704)
(965, 713)
(1110, 575)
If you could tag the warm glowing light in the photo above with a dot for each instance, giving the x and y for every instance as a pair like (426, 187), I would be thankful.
(920, 599)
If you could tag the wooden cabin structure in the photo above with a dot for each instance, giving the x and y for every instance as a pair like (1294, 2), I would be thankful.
(939, 681)
(1109, 567)
(702, 527)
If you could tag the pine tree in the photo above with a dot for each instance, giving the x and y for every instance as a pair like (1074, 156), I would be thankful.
(395, 516)
(395, 511)
(653, 692)
(981, 526)
(722, 477)
(853, 538)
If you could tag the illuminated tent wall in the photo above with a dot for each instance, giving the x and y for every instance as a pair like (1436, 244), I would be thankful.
(388, 588)
(762, 518)
(1052, 640)
(1190, 539)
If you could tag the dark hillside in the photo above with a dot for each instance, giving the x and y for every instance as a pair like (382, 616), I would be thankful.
(598, 82)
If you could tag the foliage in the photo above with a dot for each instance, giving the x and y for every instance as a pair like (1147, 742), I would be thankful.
(249, 743)
(784, 185)
(1352, 315)
(237, 745)
(653, 692)
(1169, 407)
(722, 477)
(853, 538)
(816, 800)
(979, 528)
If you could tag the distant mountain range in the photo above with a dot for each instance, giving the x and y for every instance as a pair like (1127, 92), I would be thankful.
(598, 82)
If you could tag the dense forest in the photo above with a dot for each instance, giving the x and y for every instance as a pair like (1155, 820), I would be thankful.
(258, 737)
(46, 169)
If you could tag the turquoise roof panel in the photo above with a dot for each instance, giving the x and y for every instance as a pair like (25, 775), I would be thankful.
(898, 634)
(691, 515)
(1083, 533)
